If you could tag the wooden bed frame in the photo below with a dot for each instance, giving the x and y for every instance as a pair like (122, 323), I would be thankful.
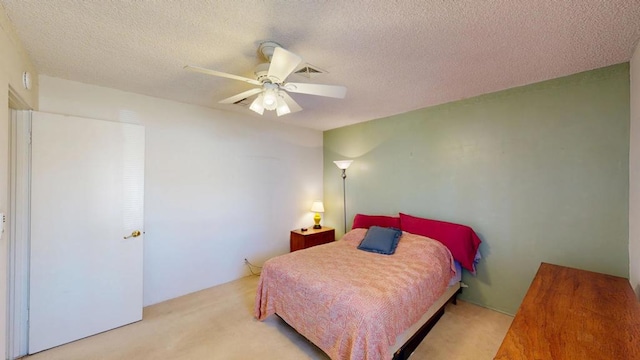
(410, 346)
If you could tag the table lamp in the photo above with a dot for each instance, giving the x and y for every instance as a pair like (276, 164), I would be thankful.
(318, 208)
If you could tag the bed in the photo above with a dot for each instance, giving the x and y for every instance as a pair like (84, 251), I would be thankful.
(356, 304)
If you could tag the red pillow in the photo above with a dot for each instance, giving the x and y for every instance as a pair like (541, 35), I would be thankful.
(461, 240)
(366, 221)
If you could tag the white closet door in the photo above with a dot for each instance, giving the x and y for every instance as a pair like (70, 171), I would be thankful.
(87, 192)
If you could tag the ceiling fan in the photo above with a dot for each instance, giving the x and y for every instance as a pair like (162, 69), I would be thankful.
(271, 77)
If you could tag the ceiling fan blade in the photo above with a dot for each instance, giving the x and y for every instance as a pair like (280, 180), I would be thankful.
(283, 63)
(291, 104)
(221, 74)
(333, 91)
(243, 95)
(257, 106)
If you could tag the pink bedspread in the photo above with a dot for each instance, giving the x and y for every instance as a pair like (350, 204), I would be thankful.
(351, 303)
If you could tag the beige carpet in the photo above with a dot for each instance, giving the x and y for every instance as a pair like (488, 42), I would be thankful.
(217, 323)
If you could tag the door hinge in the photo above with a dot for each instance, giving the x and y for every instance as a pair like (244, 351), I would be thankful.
(30, 134)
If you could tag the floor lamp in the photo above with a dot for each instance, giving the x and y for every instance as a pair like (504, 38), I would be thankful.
(343, 165)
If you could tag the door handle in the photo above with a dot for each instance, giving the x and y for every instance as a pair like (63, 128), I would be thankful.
(135, 233)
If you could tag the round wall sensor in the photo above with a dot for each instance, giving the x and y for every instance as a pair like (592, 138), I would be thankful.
(26, 80)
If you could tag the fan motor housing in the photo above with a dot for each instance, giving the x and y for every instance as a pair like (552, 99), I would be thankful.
(262, 71)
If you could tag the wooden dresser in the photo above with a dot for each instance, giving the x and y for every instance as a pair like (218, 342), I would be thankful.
(574, 314)
(311, 237)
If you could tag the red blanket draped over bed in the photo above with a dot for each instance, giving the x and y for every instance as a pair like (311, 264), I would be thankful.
(353, 304)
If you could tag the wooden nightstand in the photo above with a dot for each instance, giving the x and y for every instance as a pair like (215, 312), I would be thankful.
(312, 237)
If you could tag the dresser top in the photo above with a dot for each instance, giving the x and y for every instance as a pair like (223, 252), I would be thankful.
(575, 314)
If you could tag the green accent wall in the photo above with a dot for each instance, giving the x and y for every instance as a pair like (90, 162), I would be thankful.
(541, 173)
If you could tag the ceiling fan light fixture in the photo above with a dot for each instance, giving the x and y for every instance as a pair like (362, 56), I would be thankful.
(257, 106)
(283, 108)
(270, 99)
(272, 90)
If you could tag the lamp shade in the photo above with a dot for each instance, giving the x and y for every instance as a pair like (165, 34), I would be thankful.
(256, 105)
(343, 164)
(317, 206)
(270, 99)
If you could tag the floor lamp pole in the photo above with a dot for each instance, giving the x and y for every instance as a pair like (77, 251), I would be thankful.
(343, 165)
(344, 198)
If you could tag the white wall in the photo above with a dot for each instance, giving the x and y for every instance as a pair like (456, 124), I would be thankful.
(634, 175)
(219, 186)
(13, 62)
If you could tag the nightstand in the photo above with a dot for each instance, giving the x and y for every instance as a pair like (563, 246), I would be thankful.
(312, 237)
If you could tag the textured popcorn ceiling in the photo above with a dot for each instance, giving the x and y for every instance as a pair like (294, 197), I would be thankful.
(393, 56)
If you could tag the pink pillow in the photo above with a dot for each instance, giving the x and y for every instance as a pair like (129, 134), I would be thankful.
(461, 240)
(366, 221)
